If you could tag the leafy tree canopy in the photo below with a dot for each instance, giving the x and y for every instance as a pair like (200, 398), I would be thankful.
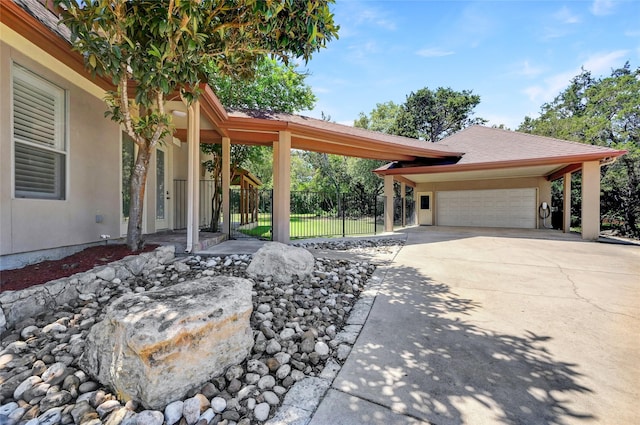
(432, 115)
(275, 87)
(605, 112)
(382, 118)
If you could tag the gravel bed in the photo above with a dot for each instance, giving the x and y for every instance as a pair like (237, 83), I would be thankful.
(297, 334)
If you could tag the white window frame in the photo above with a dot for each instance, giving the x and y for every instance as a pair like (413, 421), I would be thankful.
(57, 146)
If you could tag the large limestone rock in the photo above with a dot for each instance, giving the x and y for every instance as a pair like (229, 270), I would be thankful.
(156, 346)
(281, 262)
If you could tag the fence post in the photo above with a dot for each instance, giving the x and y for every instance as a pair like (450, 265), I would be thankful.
(271, 194)
(375, 214)
(343, 217)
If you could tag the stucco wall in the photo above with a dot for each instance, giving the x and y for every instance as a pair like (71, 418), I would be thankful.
(93, 171)
(543, 186)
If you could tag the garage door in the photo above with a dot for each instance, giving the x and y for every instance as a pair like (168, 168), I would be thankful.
(487, 208)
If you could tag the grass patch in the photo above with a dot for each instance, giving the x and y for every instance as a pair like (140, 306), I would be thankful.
(309, 226)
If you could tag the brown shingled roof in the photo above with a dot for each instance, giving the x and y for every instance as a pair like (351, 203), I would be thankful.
(483, 144)
(487, 149)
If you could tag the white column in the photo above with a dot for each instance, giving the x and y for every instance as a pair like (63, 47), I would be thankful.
(591, 200)
(566, 203)
(226, 185)
(281, 187)
(193, 175)
(388, 207)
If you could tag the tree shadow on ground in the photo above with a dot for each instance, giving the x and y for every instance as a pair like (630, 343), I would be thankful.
(420, 354)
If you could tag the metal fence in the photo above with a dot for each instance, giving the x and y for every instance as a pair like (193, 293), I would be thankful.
(404, 213)
(251, 213)
(206, 188)
(312, 214)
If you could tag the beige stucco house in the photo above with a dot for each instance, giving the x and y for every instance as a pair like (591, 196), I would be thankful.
(62, 162)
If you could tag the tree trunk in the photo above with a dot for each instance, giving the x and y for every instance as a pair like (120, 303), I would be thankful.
(136, 190)
(216, 203)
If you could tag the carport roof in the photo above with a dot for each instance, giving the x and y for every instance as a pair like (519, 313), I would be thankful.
(497, 153)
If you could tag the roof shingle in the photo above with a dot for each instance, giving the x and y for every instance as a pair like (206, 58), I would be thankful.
(483, 144)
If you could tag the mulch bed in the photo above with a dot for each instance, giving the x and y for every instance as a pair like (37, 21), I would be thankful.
(45, 271)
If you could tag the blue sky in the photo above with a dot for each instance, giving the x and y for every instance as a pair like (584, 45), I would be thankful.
(515, 54)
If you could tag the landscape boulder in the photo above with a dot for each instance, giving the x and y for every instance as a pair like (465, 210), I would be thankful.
(154, 347)
(281, 262)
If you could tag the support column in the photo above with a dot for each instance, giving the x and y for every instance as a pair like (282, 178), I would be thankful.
(403, 196)
(388, 207)
(193, 175)
(566, 204)
(591, 200)
(226, 185)
(281, 187)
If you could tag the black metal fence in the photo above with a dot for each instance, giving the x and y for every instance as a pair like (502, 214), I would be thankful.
(251, 213)
(404, 212)
(312, 214)
(206, 188)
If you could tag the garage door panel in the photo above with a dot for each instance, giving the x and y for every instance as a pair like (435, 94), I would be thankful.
(487, 208)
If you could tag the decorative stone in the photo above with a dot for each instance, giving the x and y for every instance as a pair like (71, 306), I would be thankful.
(218, 404)
(321, 348)
(173, 412)
(156, 346)
(261, 412)
(281, 262)
(149, 417)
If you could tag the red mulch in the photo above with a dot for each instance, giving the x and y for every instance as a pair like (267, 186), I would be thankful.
(45, 271)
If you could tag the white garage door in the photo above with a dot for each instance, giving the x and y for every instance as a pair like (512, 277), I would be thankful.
(487, 208)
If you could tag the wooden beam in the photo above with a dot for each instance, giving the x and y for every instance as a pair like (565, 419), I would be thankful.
(564, 170)
(405, 180)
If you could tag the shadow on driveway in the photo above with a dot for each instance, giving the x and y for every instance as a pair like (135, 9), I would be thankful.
(419, 355)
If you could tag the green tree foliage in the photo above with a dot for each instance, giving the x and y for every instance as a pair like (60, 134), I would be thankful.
(276, 87)
(433, 115)
(166, 46)
(381, 119)
(604, 112)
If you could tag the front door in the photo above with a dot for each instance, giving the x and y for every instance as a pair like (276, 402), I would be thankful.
(162, 188)
(425, 212)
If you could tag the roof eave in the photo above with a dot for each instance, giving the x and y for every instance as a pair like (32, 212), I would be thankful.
(19, 20)
(565, 159)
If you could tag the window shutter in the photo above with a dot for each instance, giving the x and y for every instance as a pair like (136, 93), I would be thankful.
(38, 134)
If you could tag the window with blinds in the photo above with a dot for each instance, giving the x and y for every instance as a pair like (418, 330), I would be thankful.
(39, 136)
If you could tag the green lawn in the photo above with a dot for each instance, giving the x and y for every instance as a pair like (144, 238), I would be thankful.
(309, 226)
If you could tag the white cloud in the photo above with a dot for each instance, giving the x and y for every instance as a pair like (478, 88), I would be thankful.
(433, 52)
(525, 69)
(552, 86)
(565, 16)
(377, 18)
(603, 63)
(602, 7)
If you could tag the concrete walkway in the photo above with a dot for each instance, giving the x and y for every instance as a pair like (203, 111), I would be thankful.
(475, 326)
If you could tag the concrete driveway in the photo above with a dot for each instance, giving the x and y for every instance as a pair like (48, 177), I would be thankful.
(497, 327)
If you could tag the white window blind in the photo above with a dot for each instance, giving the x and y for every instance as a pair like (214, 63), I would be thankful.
(39, 136)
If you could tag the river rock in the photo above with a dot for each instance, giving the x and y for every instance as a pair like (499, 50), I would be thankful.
(281, 263)
(156, 346)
